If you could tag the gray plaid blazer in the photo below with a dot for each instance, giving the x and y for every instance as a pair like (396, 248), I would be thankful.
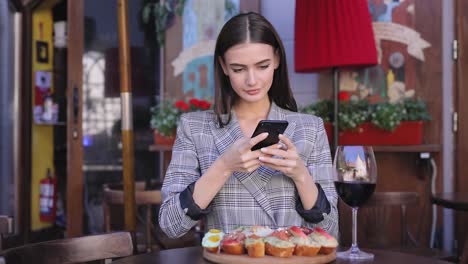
(264, 197)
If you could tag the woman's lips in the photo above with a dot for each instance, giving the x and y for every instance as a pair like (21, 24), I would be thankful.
(253, 92)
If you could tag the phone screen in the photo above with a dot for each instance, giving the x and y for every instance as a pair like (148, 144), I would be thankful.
(273, 127)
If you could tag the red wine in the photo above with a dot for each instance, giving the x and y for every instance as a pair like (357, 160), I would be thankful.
(354, 194)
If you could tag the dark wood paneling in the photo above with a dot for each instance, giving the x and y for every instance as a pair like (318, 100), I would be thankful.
(398, 168)
(461, 97)
(24, 218)
(74, 205)
(428, 22)
(428, 81)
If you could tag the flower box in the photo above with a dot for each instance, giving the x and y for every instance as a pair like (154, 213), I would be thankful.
(407, 133)
(166, 115)
(162, 140)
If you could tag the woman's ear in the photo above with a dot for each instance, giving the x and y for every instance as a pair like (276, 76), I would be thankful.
(276, 61)
(221, 62)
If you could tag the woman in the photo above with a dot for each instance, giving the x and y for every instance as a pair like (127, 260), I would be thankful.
(213, 172)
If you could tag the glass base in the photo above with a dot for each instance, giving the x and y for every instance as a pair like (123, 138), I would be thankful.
(355, 254)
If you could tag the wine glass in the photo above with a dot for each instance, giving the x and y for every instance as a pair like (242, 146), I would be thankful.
(355, 179)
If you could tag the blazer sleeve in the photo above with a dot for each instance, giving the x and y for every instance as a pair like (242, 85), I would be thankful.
(320, 167)
(183, 170)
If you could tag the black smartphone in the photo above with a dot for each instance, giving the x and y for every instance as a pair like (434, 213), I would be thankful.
(273, 127)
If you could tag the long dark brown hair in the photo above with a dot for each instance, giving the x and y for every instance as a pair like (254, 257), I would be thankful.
(254, 28)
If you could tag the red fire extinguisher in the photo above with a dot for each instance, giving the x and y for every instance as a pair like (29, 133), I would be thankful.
(48, 198)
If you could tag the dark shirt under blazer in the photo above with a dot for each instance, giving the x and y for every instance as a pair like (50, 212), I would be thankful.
(264, 197)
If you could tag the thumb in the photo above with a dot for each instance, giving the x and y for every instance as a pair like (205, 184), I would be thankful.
(253, 141)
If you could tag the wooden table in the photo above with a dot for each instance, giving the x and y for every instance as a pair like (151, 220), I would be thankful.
(195, 255)
(456, 201)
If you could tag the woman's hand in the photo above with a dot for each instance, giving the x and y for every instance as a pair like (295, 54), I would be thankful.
(284, 157)
(239, 157)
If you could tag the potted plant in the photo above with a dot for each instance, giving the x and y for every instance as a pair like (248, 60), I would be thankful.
(324, 110)
(165, 117)
(377, 124)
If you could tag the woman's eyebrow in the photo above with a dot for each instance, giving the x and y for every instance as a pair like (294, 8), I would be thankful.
(242, 65)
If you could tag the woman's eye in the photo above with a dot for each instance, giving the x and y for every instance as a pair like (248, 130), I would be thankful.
(263, 67)
(236, 70)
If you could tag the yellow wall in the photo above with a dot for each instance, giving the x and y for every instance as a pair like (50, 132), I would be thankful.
(42, 135)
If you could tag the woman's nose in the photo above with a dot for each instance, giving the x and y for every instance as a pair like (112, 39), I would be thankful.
(251, 78)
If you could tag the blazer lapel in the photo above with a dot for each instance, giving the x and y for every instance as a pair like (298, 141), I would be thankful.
(226, 136)
(277, 113)
(254, 182)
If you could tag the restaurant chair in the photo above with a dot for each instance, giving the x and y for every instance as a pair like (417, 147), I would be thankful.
(149, 199)
(379, 216)
(379, 209)
(144, 197)
(73, 250)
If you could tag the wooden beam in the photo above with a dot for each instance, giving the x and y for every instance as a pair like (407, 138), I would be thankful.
(74, 119)
(24, 174)
(127, 122)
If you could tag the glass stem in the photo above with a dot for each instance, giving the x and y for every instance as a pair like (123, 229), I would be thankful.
(354, 246)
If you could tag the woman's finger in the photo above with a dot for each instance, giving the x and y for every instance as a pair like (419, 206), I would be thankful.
(253, 168)
(277, 162)
(276, 150)
(286, 141)
(253, 141)
(251, 163)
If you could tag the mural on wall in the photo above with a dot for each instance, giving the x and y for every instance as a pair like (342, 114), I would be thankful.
(202, 20)
(399, 48)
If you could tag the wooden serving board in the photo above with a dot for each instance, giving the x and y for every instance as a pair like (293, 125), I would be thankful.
(223, 258)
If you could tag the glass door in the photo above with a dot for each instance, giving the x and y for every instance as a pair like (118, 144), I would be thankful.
(96, 128)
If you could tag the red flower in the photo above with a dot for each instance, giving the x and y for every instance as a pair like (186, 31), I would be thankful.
(195, 102)
(205, 105)
(181, 105)
(343, 96)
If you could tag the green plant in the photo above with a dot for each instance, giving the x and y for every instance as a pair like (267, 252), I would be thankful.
(416, 110)
(323, 109)
(383, 115)
(387, 116)
(165, 116)
(352, 114)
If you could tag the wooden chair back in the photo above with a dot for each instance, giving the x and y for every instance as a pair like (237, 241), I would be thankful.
(73, 250)
(113, 195)
(383, 212)
(379, 212)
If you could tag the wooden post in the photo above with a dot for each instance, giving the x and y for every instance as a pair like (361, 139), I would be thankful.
(127, 122)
